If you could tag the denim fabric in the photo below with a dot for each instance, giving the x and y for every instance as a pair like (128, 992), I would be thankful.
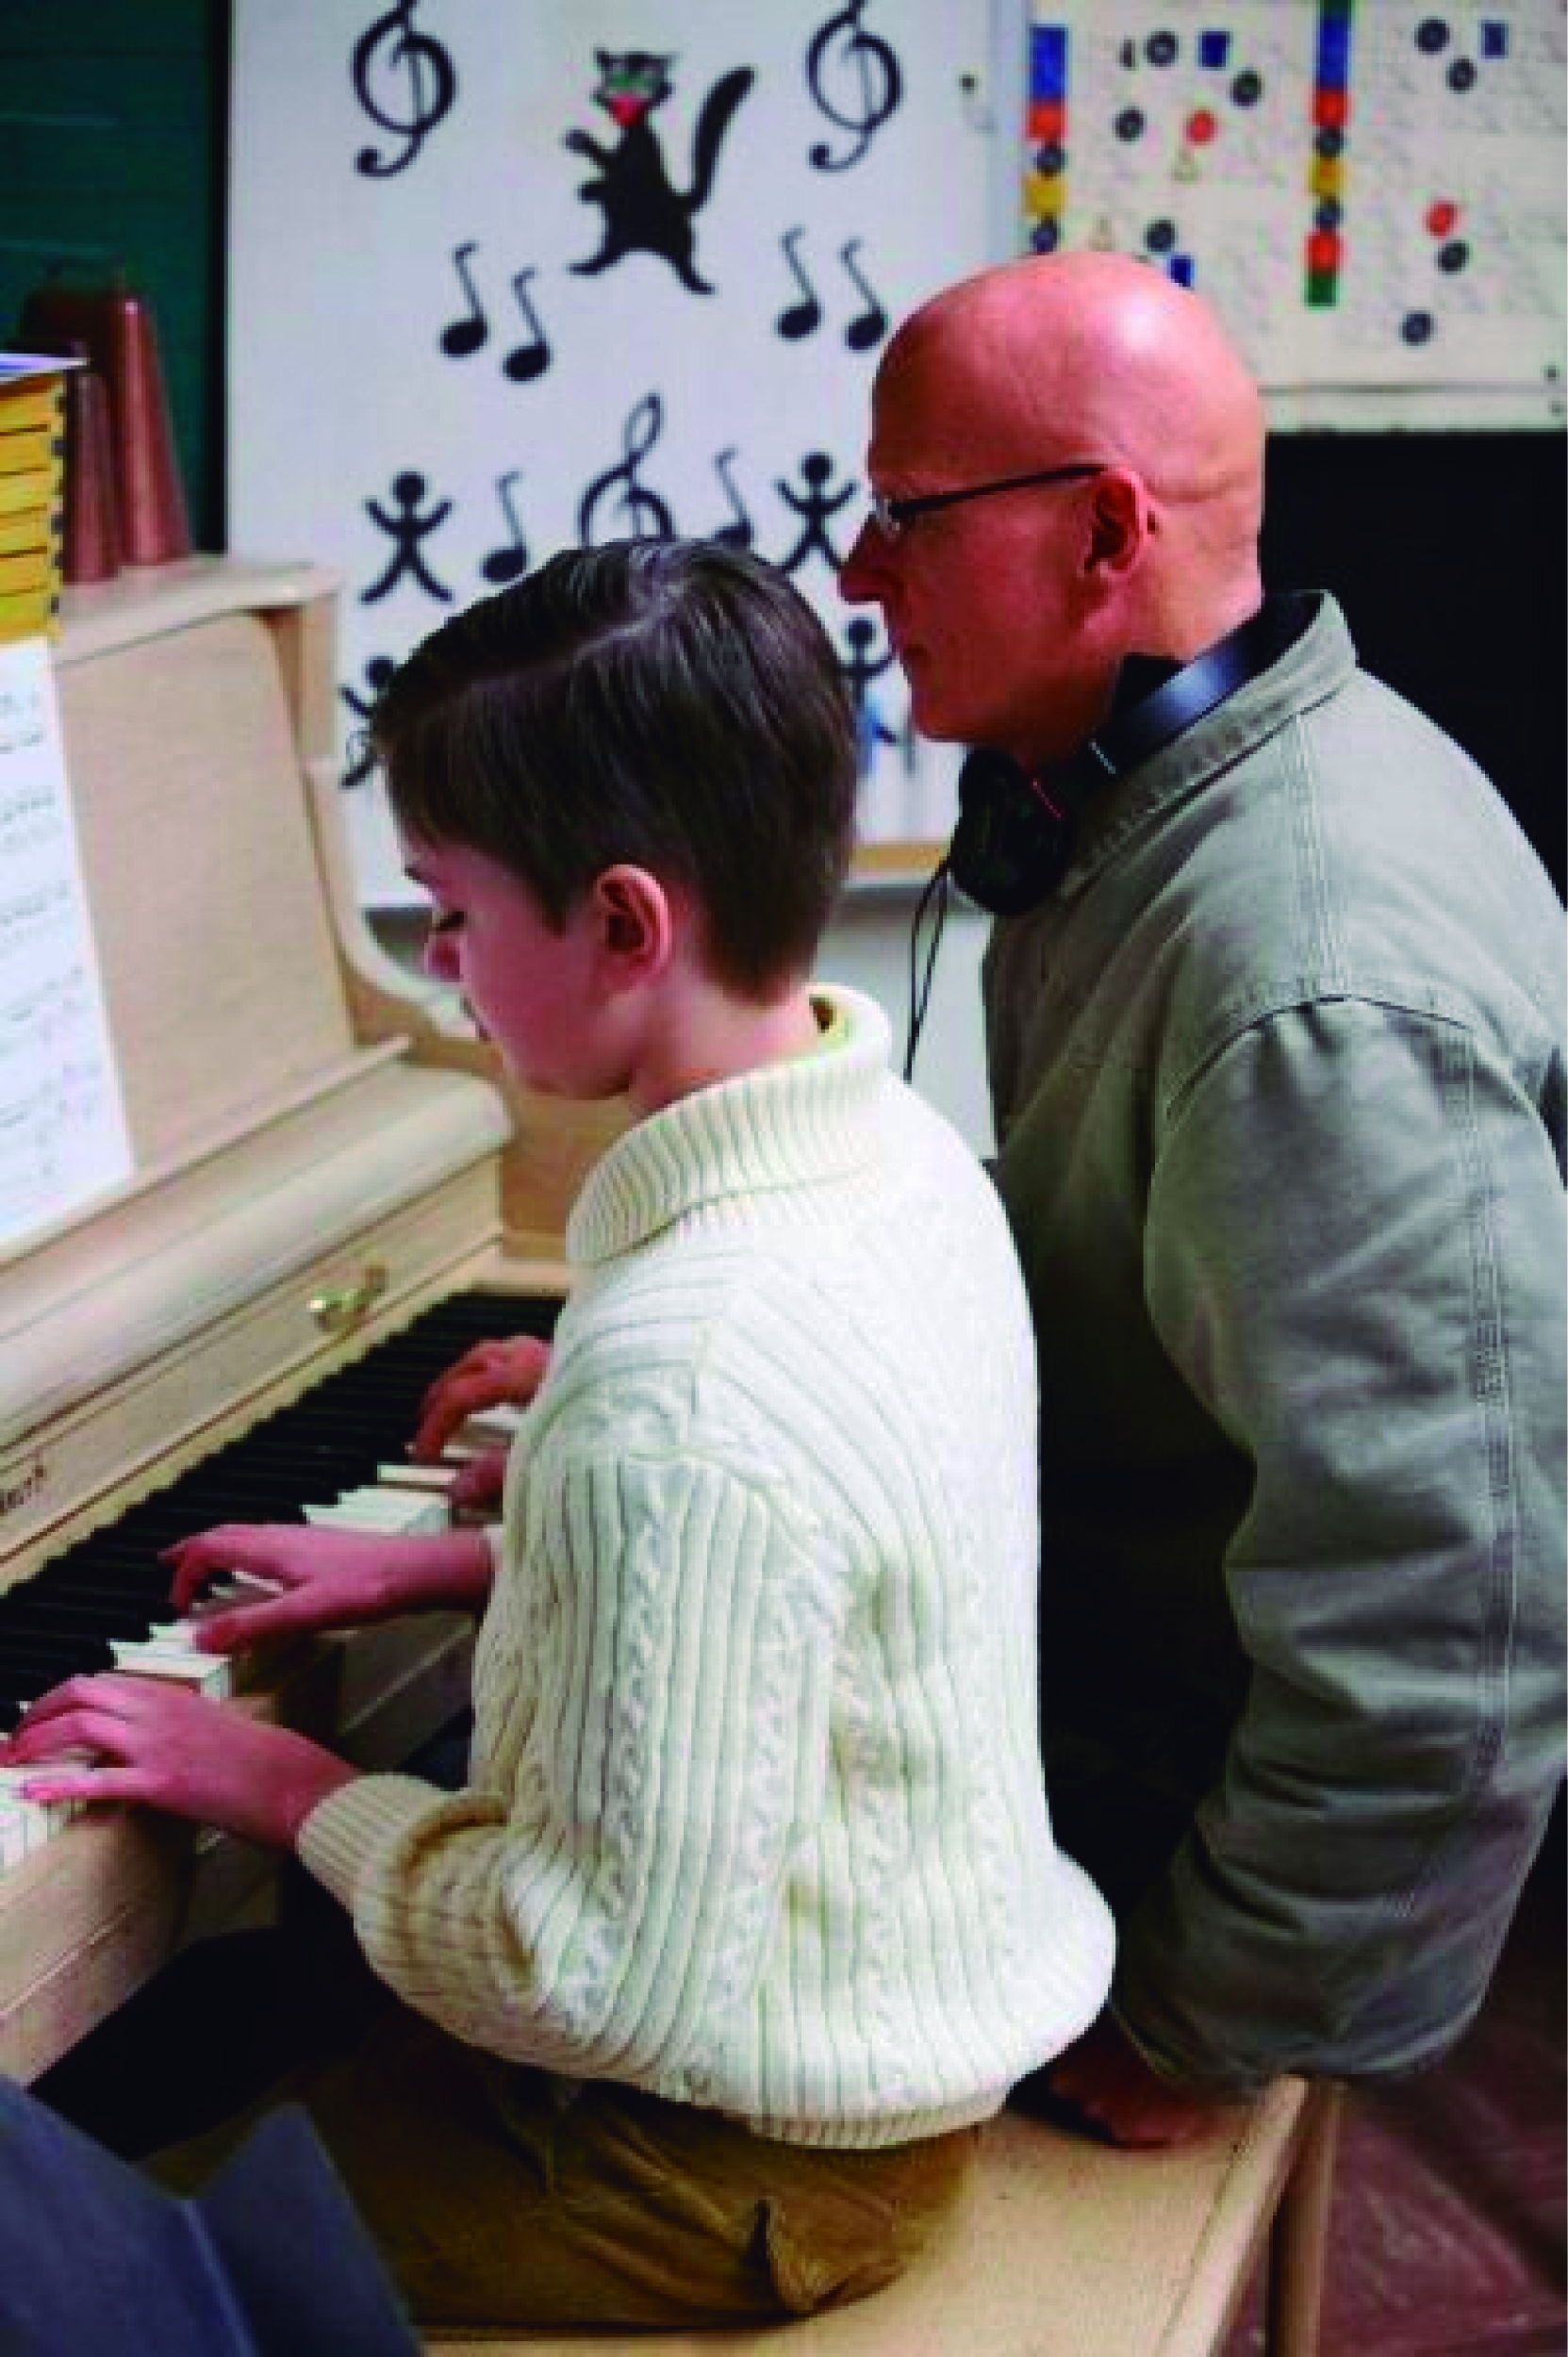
(1279, 1079)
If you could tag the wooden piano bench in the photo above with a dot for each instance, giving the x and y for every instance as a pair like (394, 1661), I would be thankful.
(1067, 2249)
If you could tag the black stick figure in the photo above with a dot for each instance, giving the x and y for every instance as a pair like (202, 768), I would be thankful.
(814, 510)
(361, 761)
(407, 530)
(859, 670)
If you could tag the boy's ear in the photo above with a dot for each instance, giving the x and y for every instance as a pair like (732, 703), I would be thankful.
(636, 921)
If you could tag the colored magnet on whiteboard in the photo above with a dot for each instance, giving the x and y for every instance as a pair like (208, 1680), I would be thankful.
(1441, 217)
(1333, 54)
(1324, 250)
(1201, 127)
(1331, 108)
(1047, 61)
(1327, 175)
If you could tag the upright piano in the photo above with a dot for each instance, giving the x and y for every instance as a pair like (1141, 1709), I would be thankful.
(331, 1184)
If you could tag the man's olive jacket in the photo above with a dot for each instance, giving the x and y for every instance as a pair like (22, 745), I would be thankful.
(1278, 1081)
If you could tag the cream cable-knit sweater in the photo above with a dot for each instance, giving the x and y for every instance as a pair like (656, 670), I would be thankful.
(757, 1817)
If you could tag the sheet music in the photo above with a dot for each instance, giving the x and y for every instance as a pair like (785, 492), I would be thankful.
(62, 1124)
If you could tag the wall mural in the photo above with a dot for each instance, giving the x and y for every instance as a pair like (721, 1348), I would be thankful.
(585, 274)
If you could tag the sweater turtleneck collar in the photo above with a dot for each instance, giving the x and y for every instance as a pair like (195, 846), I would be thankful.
(784, 1125)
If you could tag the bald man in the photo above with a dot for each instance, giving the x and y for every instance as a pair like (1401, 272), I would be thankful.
(1278, 1073)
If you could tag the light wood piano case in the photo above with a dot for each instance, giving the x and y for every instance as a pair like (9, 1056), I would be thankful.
(321, 1149)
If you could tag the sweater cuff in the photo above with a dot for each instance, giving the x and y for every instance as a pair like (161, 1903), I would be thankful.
(353, 1827)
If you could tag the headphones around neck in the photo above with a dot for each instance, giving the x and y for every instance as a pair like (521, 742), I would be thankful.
(1016, 833)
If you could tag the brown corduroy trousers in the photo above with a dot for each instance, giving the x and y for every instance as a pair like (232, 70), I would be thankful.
(499, 2198)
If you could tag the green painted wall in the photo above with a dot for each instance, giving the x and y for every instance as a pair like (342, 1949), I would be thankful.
(112, 116)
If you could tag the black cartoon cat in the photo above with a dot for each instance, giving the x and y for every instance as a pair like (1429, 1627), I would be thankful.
(643, 213)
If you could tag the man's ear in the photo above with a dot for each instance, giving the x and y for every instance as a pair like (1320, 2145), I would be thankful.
(1121, 519)
(637, 923)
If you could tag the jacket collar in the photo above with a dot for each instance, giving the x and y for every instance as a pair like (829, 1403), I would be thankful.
(1315, 666)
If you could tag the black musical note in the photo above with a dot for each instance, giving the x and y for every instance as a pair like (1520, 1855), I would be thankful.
(432, 85)
(504, 565)
(644, 424)
(526, 361)
(801, 317)
(871, 325)
(878, 83)
(465, 335)
(739, 535)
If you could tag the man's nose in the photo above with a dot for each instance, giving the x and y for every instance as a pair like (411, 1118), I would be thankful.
(861, 575)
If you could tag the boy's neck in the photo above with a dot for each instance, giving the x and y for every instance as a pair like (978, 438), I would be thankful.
(712, 1036)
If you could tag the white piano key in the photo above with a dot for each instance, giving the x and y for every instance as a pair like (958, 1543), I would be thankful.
(401, 1513)
(236, 1587)
(494, 1427)
(24, 1826)
(153, 1657)
(415, 1512)
(436, 1478)
(27, 1825)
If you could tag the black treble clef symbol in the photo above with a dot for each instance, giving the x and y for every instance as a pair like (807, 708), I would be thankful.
(426, 96)
(647, 513)
(878, 83)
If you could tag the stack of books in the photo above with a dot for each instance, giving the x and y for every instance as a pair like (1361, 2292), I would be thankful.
(32, 490)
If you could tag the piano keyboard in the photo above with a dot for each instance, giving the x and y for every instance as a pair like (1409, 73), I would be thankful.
(104, 1604)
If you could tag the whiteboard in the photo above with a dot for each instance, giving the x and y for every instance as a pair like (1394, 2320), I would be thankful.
(1370, 192)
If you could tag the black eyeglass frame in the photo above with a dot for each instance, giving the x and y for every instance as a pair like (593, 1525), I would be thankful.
(891, 516)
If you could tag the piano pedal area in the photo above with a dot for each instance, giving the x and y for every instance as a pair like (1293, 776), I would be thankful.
(327, 1459)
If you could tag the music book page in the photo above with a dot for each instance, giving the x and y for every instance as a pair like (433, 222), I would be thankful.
(63, 1125)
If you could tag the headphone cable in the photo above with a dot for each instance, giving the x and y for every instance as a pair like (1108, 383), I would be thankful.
(938, 887)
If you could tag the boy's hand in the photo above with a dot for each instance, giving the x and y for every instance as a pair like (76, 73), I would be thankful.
(486, 1375)
(323, 1579)
(1104, 2077)
(479, 1483)
(173, 1750)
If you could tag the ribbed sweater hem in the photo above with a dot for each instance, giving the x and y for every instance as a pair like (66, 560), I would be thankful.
(867, 2135)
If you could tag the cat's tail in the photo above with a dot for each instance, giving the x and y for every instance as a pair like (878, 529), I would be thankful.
(712, 123)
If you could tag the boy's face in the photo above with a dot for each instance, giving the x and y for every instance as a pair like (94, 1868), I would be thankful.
(536, 992)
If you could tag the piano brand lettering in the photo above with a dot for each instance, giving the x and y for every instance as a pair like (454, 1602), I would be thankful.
(24, 1489)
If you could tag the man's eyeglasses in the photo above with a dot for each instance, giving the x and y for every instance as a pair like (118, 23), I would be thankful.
(891, 516)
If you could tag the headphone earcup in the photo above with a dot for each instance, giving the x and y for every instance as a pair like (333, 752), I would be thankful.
(1009, 848)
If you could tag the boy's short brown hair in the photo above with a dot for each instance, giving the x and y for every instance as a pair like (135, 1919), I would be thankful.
(675, 704)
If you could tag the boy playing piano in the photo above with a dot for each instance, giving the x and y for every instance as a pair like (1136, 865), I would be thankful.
(751, 1913)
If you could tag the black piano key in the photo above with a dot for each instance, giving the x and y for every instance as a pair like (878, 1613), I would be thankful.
(55, 1659)
(119, 1617)
(331, 1439)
